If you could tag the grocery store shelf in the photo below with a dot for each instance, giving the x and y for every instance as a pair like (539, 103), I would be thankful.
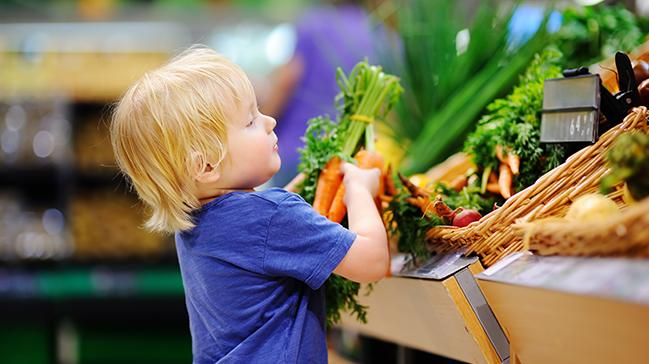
(571, 310)
(447, 317)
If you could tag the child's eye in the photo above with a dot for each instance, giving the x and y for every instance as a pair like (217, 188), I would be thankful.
(251, 122)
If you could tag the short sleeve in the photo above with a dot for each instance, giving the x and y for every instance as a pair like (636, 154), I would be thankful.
(304, 245)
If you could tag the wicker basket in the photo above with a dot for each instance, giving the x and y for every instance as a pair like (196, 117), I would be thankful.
(626, 234)
(493, 237)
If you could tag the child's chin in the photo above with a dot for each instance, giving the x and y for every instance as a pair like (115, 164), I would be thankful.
(277, 166)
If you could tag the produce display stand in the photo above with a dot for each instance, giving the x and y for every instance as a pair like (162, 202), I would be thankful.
(437, 308)
(571, 309)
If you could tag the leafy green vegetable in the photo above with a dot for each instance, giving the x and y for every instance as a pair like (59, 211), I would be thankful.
(514, 122)
(367, 95)
(593, 33)
(340, 295)
(450, 81)
(437, 59)
(322, 141)
(629, 162)
(469, 198)
(409, 225)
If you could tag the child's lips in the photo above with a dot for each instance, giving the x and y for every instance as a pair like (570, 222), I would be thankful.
(275, 147)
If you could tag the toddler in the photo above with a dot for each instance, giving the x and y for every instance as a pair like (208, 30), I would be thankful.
(193, 143)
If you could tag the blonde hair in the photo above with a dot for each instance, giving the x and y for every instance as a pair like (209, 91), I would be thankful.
(170, 124)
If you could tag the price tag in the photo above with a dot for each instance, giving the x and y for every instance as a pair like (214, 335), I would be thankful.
(570, 110)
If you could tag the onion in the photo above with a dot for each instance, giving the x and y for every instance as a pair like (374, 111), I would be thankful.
(592, 207)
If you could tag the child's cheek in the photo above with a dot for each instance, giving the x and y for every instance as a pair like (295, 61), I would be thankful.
(255, 153)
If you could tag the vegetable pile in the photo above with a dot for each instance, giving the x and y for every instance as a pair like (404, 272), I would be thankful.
(414, 210)
(505, 146)
(629, 162)
(367, 95)
(507, 141)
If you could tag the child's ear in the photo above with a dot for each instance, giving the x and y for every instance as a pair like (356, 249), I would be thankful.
(209, 174)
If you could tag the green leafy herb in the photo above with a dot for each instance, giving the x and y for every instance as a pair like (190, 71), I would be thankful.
(469, 198)
(409, 225)
(514, 123)
(321, 142)
(593, 33)
(340, 295)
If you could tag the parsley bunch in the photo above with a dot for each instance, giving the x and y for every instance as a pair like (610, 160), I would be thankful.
(515, 121)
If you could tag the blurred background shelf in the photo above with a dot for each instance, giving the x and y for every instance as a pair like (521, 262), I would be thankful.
(93, 313)
(81, 281)
(86, 62)
(91, 281)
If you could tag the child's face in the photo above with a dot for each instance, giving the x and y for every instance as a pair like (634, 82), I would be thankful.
(252, 156)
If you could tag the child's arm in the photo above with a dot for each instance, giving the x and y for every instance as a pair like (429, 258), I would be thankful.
(368, 257)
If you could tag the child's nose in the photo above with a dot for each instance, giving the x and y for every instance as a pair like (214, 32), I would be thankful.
(270, 123)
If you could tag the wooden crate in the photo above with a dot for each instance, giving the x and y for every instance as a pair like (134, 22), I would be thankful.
(444, 317)
(550, 325)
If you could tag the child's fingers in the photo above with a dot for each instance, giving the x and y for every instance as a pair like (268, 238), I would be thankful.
(349, 167)
(376, 172)
(343, 167)
(346, 167)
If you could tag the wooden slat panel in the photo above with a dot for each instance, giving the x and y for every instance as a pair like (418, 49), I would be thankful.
(420, 314)
(547, 326)
(471, 321)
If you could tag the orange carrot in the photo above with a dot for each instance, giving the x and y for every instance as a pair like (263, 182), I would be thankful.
(390, 188)
(499, 153)
(508, 157)
(514, 162)
(338, 210)
(505, 180)
(459, 182)
(328, 182)
(493, 187)
(366, 160)
(493, 178)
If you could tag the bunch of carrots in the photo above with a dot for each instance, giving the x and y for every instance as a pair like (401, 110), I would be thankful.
(330, 193)
(502, 183)
(367, 96)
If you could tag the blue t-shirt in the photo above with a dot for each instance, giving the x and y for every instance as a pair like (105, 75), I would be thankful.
(253, 269)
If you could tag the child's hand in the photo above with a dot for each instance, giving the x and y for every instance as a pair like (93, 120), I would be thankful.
(355, 177)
